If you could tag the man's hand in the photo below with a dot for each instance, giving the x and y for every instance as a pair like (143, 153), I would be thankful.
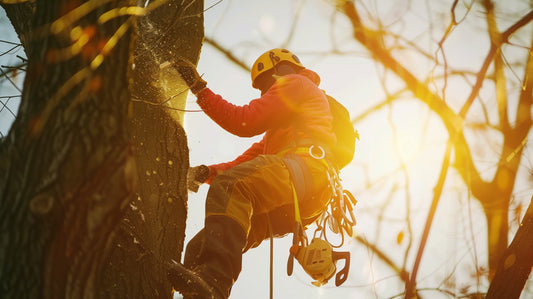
(196, 176)
(189, 74)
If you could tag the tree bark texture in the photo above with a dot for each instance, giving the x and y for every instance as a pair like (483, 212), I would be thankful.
(153, 230)
(71, 171)
(93, 193)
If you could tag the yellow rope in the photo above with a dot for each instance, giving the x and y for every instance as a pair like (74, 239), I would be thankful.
(296, 206)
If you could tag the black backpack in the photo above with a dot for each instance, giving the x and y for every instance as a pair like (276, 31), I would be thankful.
(344, 149)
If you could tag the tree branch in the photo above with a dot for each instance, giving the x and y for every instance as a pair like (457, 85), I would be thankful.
(372, 41)
(410, 286)
(453, 122)
(492, 51)
(228, 54)
(404, 276)
(389, 99)
(523, 113)
(500, 80)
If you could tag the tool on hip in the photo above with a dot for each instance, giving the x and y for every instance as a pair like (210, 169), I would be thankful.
(339, 217)
(318, 258)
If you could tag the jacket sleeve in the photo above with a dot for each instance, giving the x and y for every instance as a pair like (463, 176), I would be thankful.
(268, 111)
(252, 152)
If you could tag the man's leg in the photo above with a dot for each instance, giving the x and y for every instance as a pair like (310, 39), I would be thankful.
(216, 252)
(253, 188)
(214, 258)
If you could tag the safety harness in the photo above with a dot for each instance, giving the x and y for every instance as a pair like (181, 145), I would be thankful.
(318, 258)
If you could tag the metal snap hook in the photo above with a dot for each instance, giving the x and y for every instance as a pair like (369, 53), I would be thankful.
(320, 156)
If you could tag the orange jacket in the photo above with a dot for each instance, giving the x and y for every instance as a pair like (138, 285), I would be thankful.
(293, 109)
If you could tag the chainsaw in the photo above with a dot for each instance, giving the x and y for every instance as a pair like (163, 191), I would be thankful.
(319, 261)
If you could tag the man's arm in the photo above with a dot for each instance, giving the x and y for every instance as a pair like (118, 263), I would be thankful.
(261, 114)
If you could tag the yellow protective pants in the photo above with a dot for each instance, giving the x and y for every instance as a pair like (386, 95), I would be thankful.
(259, 191)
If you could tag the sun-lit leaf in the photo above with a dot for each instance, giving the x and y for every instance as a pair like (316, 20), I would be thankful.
(399, 237)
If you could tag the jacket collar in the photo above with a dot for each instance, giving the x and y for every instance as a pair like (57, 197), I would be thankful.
(311, 75)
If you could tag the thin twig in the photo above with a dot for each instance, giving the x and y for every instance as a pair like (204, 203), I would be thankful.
(437, 191)
(163, 106)
(4, 105)
(488, 59)
(228, 54)
(400, 272)
(295, 20)
(9, 79)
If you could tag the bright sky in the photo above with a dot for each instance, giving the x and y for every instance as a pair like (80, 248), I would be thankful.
(248, 28)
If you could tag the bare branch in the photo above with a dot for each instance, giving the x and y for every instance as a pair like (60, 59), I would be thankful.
(404, 276)
(295, 20)
(501, 90)
(228, 54)
(453, 122)
(4, 104)
(410, 287)
(390, 98)
(9, 79)
(372, 41)
(492, 51)
(523, 115)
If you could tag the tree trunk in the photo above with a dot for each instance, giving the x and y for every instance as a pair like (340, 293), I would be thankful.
(496, 214)
(21, 16)
(93, 195)
(493, 196)
(70, 168)
(515, 266)
(153, 230)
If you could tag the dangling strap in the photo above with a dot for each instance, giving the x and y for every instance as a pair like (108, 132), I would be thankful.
(301, 183)
(300, 177)
(271, 258)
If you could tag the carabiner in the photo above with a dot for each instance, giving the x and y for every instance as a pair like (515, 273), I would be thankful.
(322, 152)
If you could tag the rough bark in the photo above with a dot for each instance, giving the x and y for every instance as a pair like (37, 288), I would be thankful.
(515, 266)
(153, 230)
(70, 171)
(92, 185)
(21, 16)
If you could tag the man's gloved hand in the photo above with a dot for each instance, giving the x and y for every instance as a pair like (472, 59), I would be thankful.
(189, 74)
(196, 176)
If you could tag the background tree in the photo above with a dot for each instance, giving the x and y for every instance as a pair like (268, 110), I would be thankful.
(515, 266)
(93, 168)
(495, 194)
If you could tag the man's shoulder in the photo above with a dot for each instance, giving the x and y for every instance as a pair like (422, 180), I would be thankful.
(296, 81)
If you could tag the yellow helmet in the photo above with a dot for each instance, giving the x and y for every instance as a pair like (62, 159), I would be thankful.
(270, 59)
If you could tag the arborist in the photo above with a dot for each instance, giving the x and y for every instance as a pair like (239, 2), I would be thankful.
(252, 197)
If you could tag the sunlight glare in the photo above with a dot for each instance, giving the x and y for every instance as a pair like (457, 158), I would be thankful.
(267, 24)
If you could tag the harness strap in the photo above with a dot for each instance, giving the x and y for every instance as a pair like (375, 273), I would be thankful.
(301, 186)
(297, 215)
(302, 181)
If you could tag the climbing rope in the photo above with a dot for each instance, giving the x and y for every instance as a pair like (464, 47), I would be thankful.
(339, 216)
